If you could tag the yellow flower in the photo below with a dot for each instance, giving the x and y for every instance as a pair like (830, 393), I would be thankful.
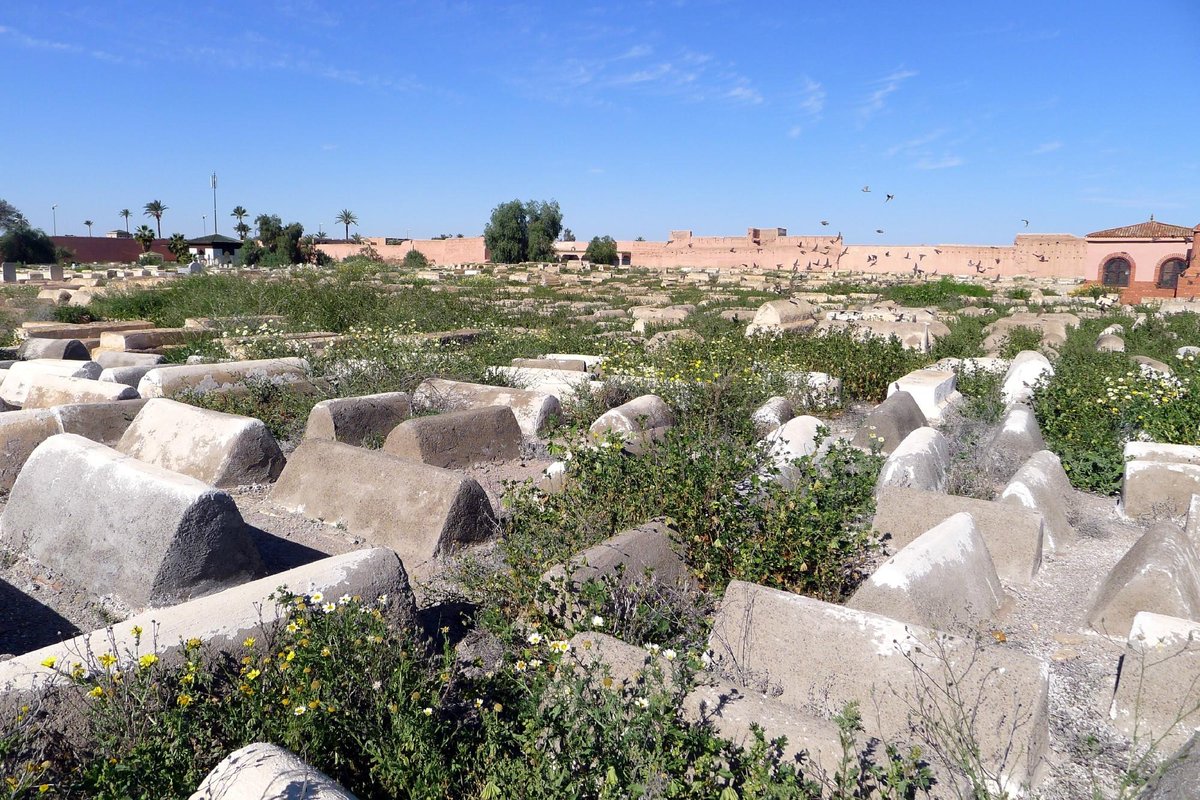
(147, 660)
(96, 691)
(49, 661)
(249, 642)
(137, 630)
(193, 643)
(184, 700)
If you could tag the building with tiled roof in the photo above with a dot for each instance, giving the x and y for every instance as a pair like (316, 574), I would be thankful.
(1150, 259)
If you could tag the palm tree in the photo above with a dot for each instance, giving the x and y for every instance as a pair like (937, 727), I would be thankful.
(346, 218)
(240, 214)
(126, 213)
(241, 229)
(145, 237)
(88, 222)
(155, 209)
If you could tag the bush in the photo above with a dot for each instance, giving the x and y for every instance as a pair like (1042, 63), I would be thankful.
(1020, 339)
(27, 246)
(415, 260)
(601, 250)
(945, 291)
(73, 315)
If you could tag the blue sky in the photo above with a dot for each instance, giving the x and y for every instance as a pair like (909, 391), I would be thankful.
(638, 117)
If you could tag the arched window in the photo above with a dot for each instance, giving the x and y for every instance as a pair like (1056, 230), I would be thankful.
(1116, 272)
(1168, 276)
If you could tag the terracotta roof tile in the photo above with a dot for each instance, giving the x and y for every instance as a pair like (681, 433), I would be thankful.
(1152, 229)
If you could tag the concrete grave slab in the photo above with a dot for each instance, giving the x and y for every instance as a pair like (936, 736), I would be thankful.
(889, 423)
(1158, 684)
(1042, 485)
(118, 525)
(933, 389)
(456, 439)
(355, 420)
(921, 461)
(168, 381)
(20, 376)
(534, 410)
(1160, 574)
(263, 770)
(421, 512)
(219, 449)
(638, 423)
(54, 390)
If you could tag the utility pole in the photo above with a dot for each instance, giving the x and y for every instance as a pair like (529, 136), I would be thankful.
(214, 188)
(54, 223)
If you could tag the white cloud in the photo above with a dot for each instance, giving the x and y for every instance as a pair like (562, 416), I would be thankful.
(915, 144)
(945, 162)
(1047, 147)
(745, 94)
(884, 87)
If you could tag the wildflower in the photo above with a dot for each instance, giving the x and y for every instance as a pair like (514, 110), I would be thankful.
(478, 702)
(597, 621)
(292, 627)
(383, 600)
(49, 661)
(520, 666)
(193, 643)
(560, 646)
(642, 703)
(329, 608)
(344, 599)
(249, 642)
(653, 648)
(315, 598)
(300, 711)
(252, 674)
(97, 691)
(428, 711)
(535, 638)
(497, 707)
(137, 630)
(106, 660)
(669, 654)
(184, 700)
(147, 661)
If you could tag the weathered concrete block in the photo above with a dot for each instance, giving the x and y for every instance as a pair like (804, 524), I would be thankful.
(62, 349)
(219, 449)
(1026, 370)
(568, 364)
(101, 422)
(145, 339)
(561, 383)
(354, 420)
(168, 381)
(1179, 776)
(262, 771)
(920, 462)
(116, 524)
(1014, 537)
(54, 390)
(81, 331)
(1042, 485)
(628, 557)
(889, 423)
(1110, 343)
(421, 512)
(1165, 453)
(126, 376)
(1160, 574)
(731, 711)
(113, 360)
(944, 579)
(639, 422)
(1158, 683)
(534, 410)
(817, 657)
(782, 316)
(20, 433)
(771, 414)
(226, 618)
(1158, 488)
(20, 375)
(458, 438)
(629, 666)
(933, 389)
(1016, 440)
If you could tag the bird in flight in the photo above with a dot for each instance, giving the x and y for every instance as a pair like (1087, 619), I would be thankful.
(1026, 222)
(879, 230)
(824, 222)
(866, 188)
(889, 197)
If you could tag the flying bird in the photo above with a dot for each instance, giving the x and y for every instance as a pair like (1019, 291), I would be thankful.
(939, 252)
(824, 222)
(887, 253)
(908, 256)
(866, 188)
(879, 230)
(889, 197)
(1026, 222)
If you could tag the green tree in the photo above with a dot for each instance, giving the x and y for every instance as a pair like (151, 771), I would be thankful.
(145, 237)
(27, 246)
(155, 209)
(278, 244)
(346, 218)
(567, 235)
(126, 213)
(241, 228)
(545, 224)
(89, 224)
(10, 218)
(415, 259)
(178, 246)
(601, 250)
(506, 236)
